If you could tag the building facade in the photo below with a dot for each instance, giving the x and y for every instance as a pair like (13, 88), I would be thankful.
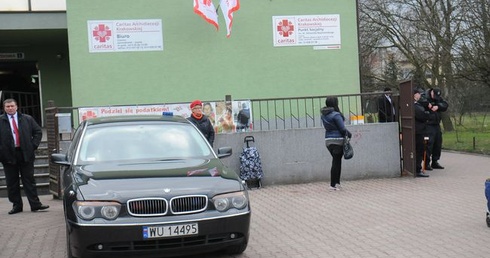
(164, 52)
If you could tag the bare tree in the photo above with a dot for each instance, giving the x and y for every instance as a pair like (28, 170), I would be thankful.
(425, 33)
(473, 49)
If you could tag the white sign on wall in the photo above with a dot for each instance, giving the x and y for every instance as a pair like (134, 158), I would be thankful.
(307, 30)
(224, 116)
(125, 35)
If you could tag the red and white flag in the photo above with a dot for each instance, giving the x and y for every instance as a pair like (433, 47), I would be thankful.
(227, 8)
(205, 9)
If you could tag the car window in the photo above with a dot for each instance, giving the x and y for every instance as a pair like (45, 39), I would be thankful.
(131, 142)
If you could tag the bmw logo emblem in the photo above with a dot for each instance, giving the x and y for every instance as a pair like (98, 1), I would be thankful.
(166, 190)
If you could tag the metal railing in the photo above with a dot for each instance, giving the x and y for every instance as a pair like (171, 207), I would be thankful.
(293, 113)
(27, 102)
(304, 112)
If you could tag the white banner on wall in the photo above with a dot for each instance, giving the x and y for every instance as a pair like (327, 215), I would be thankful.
(226, 117)
(125, 35)
(307, 30)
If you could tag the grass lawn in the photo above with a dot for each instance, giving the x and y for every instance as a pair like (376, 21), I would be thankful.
(472, 135)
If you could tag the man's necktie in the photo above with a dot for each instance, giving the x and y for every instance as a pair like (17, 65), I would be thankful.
(16, 132)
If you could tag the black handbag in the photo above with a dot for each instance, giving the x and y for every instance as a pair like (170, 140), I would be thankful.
(348, 151)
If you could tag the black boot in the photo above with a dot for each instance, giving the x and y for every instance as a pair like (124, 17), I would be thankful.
(436, 165)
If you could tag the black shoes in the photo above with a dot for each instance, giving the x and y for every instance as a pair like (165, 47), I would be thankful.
(428, 167)
(15, 210)
(437, 165)
(39, 208)
(19, 209)
(422, 175)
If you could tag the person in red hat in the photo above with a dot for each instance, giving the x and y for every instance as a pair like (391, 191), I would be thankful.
(201, 121)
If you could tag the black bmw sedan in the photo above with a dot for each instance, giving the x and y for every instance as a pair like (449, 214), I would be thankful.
(149, 186)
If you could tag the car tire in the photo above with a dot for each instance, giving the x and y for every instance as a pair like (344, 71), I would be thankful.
(488, 219)
(237, 249)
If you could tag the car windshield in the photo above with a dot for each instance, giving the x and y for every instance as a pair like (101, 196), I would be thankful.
(131, 142)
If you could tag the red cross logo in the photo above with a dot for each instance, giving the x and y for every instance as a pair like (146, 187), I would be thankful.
(102, 33)
(285, 28)
(88, 114)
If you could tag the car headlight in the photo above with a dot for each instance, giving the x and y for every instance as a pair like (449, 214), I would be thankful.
(90, 210)
(224, 202)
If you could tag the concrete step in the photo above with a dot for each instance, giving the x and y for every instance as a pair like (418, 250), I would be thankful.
(41, 172)
(42, 183)
(38, 169)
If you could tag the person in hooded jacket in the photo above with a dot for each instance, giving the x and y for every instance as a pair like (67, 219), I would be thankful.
(201, 121)
(437, 105)
(335, 132)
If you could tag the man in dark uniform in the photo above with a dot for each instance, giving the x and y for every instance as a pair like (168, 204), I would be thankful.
(437, 105)
(421, 117)
(20, 136)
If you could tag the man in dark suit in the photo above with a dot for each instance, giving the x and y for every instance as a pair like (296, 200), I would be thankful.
(20, 136)
(386, 107)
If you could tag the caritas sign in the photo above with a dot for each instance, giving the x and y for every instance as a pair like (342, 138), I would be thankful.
(125, 35)
(307, 30)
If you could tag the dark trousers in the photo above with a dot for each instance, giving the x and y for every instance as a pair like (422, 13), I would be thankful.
(26, 172)
(437, 148)
(435, 143)
(337, 152)
(419, 152)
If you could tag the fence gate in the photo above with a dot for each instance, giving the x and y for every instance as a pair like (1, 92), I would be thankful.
(407, 118)
(53, 146)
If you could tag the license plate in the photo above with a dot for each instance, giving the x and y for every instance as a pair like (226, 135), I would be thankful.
(170, 230)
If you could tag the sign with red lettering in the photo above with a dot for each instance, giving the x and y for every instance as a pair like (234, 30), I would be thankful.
(307, 30)
(125, 35)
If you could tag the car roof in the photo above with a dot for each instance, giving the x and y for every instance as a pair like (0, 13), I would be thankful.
(136, 118)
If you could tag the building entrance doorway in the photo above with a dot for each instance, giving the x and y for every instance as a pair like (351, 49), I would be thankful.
(20, 80)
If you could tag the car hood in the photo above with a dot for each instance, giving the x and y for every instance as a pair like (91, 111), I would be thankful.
(168, 178)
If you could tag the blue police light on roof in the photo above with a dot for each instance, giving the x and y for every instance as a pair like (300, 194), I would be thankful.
(166, 113)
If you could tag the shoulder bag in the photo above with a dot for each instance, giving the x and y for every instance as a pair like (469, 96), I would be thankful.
(348, 151)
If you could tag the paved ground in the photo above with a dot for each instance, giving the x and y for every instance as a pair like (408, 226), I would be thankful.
(440, 216)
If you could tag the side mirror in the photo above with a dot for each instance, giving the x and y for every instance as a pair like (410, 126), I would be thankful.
(224, 152)
(60, 159)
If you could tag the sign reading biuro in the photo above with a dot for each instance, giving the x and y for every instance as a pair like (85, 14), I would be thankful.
(125, 35)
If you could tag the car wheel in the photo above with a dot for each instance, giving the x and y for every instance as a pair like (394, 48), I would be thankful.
(488, 219)
(237, 249)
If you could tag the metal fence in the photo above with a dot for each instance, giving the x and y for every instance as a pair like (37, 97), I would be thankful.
(286, 113)
(304, 112)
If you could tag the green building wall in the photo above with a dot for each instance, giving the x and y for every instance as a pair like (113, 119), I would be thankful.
(199, 62)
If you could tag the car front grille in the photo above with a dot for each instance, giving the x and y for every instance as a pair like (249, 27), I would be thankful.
(148, 207)
(188, 204)
(159, 206)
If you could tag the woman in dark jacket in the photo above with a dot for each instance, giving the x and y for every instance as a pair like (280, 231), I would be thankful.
(201, 121)
(335, 131)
